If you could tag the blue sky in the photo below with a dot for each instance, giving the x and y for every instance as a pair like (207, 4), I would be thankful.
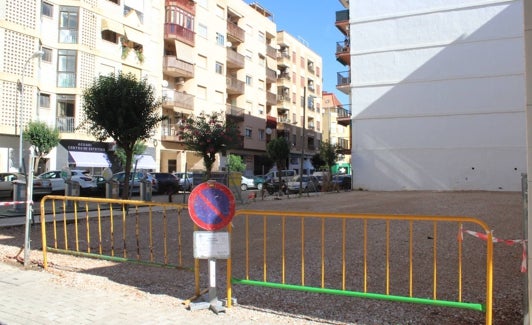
(314, 22)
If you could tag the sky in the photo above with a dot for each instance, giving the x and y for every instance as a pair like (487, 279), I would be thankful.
(313, 21)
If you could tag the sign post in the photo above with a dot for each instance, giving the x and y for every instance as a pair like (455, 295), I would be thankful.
(211, 206)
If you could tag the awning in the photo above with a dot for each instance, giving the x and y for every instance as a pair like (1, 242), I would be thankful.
(112, 26)
(88, 159)
(134, 35)
(145, 162)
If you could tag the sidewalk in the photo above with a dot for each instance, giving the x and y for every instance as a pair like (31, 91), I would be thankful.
(31, 297)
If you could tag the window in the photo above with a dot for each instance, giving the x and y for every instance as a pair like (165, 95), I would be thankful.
(44, 100)
(317, 71)
(220, 12)
(202, 3)
(261, 109)
(178, 16)
(294, 58)
(248, 133)
(261, 37)
(219, 97)
(47, 56)
(294, 117)
(47, 9)
(318, 126)
(68, 25)
(202, 92)
(262, 135)
(302, 81)
(294, 97)
(261, 84)
(65, 113)
(249, 55)
(66, 68)
(202, 30)
(220, 39)
(110, 36)
(249, 80)
(302, 62)
(294, 139)
(201, 62)
(294, 78)
(219, 68)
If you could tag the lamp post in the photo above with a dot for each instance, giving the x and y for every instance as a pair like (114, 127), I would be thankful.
(301, 173)
(36, 54)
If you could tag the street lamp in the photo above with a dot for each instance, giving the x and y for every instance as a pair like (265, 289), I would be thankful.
(36, 54)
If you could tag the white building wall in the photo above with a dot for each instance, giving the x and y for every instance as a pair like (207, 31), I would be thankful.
(438, 95)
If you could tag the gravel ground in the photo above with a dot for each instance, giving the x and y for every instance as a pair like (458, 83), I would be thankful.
(502, 211)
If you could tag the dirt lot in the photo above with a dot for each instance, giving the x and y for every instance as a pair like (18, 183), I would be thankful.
(502, 211)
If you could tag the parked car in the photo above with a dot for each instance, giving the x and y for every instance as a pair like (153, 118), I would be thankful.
(342, 182)
(167, 183)
(83, 177)
(247, 183)
(186, 181)
(323, 177)
(41, 187)
(307, 183)
(134, 182)
(259, 180)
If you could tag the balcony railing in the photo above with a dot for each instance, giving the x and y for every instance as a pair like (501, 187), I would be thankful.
(235, 59)
(190, 6)
(170, 132)
(343, 81)
(283, 119)
(343, 52)
(177, 68)
(234, 111)
(271, 75)
(271, 98)
(235, 86)
(343, 143)
(66, 124)
(178, 99)
(271, 52)
(284, 75)
(235, 32)
(283, 98)
(175, 31)
(343, 116)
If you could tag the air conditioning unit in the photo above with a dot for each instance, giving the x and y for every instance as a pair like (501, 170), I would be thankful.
(179, 80)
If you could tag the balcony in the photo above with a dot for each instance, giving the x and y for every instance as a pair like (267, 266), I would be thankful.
(234, 112)
(177, 99)
(342, 21)
(235, 60)
(66, 124)
(271, 98)
(343, 52)
(235, 33)
(271, 51)
(283, 119)
(177, 68)
(284, 76)
(283, 59)
(345, 148)
(188, 5)
(343, 116)
(310, 67)
(343, 82)
(170, 132)
(271, 75)
(179, 33)
(234, 86)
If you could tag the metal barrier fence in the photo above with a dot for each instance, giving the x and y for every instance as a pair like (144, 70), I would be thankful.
(366, 256)
(121, 230)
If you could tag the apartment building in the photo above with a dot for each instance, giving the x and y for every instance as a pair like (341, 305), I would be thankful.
(228, 56)
(438, 94)
(337, 130)
(200, 56)
(79, 40)
(299, 100)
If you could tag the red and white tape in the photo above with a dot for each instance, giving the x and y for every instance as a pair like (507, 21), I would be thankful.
(2, 204)
(509, 242)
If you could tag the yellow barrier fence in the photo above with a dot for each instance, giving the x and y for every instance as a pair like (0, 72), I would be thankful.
(120, 230)
(366, 256)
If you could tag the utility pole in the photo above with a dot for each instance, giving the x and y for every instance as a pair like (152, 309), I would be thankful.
(303, 141)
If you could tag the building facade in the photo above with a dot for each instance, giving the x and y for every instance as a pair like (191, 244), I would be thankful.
(438, 94)
(201, 56)
(78, 42)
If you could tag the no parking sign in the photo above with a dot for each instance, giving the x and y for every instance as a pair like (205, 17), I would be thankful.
(211, 205)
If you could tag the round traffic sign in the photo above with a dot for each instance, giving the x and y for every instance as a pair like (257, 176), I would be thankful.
(211, 205)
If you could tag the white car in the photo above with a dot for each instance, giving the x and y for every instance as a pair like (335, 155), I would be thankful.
(247, 183)
(83, 177)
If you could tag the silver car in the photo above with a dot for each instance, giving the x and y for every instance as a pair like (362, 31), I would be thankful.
(40, 186)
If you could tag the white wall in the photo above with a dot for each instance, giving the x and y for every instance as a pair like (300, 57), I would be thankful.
(438, 95)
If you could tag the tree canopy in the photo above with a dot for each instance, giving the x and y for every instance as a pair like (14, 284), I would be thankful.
(209, 134)
(121, 107)
(278, 150)
(42, 137)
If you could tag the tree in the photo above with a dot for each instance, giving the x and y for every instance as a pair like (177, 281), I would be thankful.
(42, 137)
(329, 153)
(138, 149)
(208, 135)
(317, 161)
(278, 150)
(121, 107)
(235, 163)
